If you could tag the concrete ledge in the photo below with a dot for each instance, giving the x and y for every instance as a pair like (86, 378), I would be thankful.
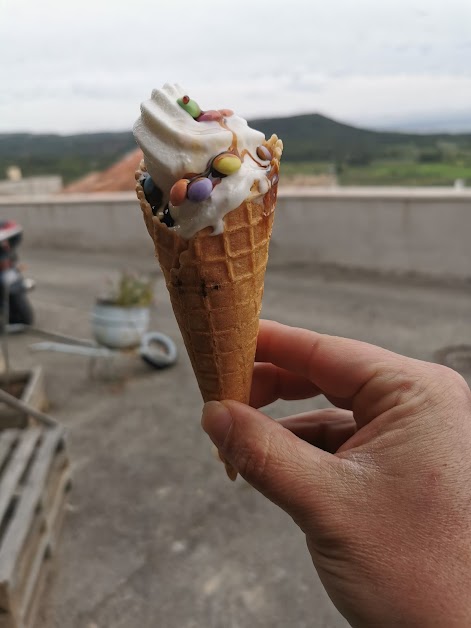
(401, 230)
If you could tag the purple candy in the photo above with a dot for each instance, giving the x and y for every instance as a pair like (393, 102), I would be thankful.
(200, 189)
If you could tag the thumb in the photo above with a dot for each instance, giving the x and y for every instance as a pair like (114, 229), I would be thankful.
(293, 474)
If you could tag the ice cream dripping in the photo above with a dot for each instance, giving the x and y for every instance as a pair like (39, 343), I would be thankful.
(203, 163)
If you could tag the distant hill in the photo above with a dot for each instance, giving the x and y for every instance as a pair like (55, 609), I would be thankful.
(307, 138)
(313, 137)
(71, 156)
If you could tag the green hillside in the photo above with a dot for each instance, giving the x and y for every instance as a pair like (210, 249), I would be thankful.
(316, 138)
(313, 144)
(71, 156)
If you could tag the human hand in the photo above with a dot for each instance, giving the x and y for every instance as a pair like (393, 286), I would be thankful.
(380, 485)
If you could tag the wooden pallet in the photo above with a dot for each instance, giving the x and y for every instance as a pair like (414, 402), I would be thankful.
(34, 479)
(29, 387)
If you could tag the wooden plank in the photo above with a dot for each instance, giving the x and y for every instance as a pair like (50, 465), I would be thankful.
(56, 472)
(34, 576)
(29, 616)
(31, 534)
(39, 570)
(36, 534)
(16, 468)
(31, 494)
(55, 519)
(55, 515)
(34, 393)
(7, 440)
(45, 522)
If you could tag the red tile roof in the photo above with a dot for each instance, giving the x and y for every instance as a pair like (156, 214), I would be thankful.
(117, 178)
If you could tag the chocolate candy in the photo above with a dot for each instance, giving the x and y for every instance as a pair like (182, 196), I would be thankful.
(209, 116)
(190, 106)
(152, 192)
(226, 163)
(263, 153)
(200, 189)
(178, 192)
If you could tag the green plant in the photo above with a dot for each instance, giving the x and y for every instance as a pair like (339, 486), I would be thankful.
(130, 290)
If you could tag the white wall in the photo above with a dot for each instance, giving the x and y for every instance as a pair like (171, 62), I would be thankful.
(424, 231)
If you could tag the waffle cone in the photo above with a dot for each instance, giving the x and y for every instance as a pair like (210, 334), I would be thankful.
(216, 284)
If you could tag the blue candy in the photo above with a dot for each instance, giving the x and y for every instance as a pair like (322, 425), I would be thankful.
(153, 194)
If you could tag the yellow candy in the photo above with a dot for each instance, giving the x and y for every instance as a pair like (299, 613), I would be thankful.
(178, 192)
(226, 163)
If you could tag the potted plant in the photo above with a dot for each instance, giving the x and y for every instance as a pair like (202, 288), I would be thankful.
(121, 317)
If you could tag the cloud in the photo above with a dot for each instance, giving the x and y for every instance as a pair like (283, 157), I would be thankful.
(86, 64)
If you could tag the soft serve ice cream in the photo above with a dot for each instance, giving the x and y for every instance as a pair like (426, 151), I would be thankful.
(200, 164)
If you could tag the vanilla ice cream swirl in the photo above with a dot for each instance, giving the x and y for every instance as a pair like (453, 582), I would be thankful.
(176, 145)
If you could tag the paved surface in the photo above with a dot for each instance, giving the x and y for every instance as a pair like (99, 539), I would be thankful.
(155, 535)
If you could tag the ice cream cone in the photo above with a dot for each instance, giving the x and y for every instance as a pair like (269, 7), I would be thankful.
(216, 287)
(207, 188)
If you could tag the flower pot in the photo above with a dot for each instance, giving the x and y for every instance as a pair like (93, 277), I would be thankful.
(119, 327)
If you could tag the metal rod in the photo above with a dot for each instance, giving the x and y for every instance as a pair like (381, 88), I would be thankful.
(23, 407)
(60, 347)
(61, 337)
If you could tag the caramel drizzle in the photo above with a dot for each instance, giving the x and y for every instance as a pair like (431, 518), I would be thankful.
(233, 148)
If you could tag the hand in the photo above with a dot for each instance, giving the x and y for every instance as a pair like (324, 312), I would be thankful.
(380, 485)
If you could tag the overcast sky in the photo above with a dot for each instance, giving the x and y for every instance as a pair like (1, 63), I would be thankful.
(85, 65)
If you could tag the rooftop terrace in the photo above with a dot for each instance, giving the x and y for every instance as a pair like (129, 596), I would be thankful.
(155, 534)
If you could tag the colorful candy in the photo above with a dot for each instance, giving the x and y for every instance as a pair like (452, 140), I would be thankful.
(226, 163)
(263, 153)
(199, 189)
(166, 217)
(227, 113)
(178, 192)
(209, 116)
(152, 192)
(190, 106)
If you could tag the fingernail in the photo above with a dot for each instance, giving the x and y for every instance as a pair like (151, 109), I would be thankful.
(216, 422)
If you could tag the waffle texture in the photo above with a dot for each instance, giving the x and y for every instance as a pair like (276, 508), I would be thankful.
(216, 288)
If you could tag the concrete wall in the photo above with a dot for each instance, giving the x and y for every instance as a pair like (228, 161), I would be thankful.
(426, 231)
(32, 186)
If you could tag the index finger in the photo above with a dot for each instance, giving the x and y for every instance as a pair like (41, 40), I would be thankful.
(339, 367)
